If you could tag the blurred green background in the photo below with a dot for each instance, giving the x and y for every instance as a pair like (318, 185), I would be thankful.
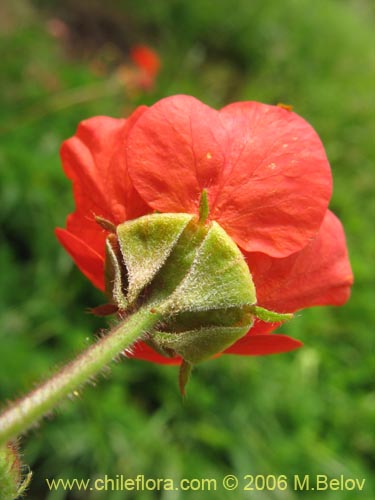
(306, 412)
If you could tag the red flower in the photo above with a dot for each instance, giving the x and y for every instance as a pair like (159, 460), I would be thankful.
(268, 183)
(148, 63)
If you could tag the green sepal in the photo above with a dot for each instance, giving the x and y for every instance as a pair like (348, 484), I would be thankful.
(198, 345)
(230, 316)
(115, 273)
(218, 278)
(146, 244)
(178, 263)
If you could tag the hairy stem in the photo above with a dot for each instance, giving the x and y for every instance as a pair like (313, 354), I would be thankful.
(25, 412)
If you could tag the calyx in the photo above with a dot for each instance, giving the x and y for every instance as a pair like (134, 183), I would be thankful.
(189, 272)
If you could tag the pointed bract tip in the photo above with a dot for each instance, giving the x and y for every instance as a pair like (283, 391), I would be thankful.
(103, 310)
(105, 224)
(204, 209)
(270, 316)
(184, 375)
(287, 107)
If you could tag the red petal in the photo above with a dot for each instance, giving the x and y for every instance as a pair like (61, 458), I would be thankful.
(142, 351)
(167, 153)
(320, 274)
(265, 169)
(261, 327)
(94, 159)
(260, 345)
(89, 262)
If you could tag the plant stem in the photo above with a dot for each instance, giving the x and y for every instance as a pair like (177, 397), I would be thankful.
(25, 412)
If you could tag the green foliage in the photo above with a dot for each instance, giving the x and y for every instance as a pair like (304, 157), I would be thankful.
(305, 412)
